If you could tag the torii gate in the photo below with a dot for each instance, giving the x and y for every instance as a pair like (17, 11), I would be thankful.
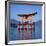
(27, 17)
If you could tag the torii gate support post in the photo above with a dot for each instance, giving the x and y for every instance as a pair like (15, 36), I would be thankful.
(22, 28)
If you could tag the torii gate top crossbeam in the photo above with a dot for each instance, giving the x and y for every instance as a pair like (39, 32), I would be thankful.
(27, 15)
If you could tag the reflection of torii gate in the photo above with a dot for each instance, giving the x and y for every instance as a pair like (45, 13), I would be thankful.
(26, 17)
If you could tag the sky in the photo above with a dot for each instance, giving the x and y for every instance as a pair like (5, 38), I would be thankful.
(16, 9)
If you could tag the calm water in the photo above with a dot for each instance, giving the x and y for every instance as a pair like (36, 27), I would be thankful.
(15, 35)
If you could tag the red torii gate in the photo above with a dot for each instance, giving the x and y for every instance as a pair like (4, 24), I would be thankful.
(27, 17)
